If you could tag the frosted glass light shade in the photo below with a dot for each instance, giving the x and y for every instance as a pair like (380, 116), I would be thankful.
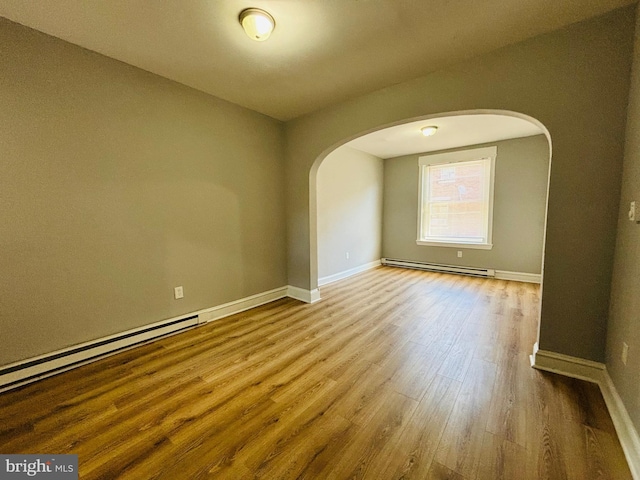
(257, 24)
(429, 131)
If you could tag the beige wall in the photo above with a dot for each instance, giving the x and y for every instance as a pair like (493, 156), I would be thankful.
(576, 82)
(521, 177)
(349, 191)
(116, 186)
(624, 321)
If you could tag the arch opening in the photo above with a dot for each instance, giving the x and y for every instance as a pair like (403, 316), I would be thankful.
(381, 140)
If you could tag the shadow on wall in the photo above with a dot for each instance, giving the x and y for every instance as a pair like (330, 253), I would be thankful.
(350, 195)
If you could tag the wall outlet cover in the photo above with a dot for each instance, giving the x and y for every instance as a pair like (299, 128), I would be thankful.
(178, 292)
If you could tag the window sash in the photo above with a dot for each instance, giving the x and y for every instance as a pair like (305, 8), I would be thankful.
(457, 199)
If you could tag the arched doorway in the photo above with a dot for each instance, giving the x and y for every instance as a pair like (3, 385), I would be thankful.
(521, 203)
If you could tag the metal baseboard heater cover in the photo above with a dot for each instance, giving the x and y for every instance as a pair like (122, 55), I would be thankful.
(435, 267)
(27, 371)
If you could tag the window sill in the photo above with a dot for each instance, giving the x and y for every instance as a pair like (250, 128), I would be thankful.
(477, 246)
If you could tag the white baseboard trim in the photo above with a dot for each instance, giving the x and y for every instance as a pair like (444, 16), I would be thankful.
(31, 369)
(566, 365)
(306, 296)
(237, 306)
(518, 276)
(35, 368)
(347, 273)
(596, 372)
(627, 433)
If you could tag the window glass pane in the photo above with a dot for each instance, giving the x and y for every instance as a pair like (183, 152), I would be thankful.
(456, 201)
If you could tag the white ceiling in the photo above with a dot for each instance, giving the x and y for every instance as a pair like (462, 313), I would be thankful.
(321, 52)
(453, 132)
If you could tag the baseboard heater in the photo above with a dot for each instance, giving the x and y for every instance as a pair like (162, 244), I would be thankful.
(434, 267)
(27, 371)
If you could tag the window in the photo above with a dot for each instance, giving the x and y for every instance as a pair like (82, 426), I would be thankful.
(456, 198)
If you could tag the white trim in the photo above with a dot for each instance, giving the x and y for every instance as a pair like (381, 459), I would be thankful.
(68, 358)
(347, 273)
(566, 365)
(237, 306)
(307, 296)
(485, 272)
(88, 354)
(477, 246)
(519, 276)
(482, 154)
(435, 267)
(469, 155)
(95, 349)
(627, 433)
(597, 373)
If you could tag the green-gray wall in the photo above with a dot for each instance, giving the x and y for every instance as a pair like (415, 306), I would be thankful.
(521, 178)
(624, 321)
(576, 82)
(117, 185)
(349, 187)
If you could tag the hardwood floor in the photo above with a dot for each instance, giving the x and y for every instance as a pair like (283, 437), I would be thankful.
(395, 374)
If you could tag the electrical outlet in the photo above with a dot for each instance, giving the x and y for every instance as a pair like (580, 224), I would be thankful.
(459, 253)
(178, 292)
(632, 211)
(625, 352)
(346, 255)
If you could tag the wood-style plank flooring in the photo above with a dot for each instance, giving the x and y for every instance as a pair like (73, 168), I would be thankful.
(395, 374)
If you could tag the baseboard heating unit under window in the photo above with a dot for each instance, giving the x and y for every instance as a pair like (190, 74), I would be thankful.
(27, 371)
(434, 267)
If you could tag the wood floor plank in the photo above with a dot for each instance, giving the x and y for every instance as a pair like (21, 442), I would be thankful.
(461, 353)
(368, 452)
(545, 455)
(461, 443)
(364, 397)
(292, 458)
(510, 417)
(438, 471)
(417, 445)
(395, 374)
(502, 459)
(603, 460)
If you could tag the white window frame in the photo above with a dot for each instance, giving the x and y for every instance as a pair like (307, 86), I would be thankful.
(457, 157)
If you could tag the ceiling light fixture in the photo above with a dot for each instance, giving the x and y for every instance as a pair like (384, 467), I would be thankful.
(429, 131)
(257, 23)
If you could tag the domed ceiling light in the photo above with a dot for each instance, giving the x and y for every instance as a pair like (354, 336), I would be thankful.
(429, 131)
(257, 23)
